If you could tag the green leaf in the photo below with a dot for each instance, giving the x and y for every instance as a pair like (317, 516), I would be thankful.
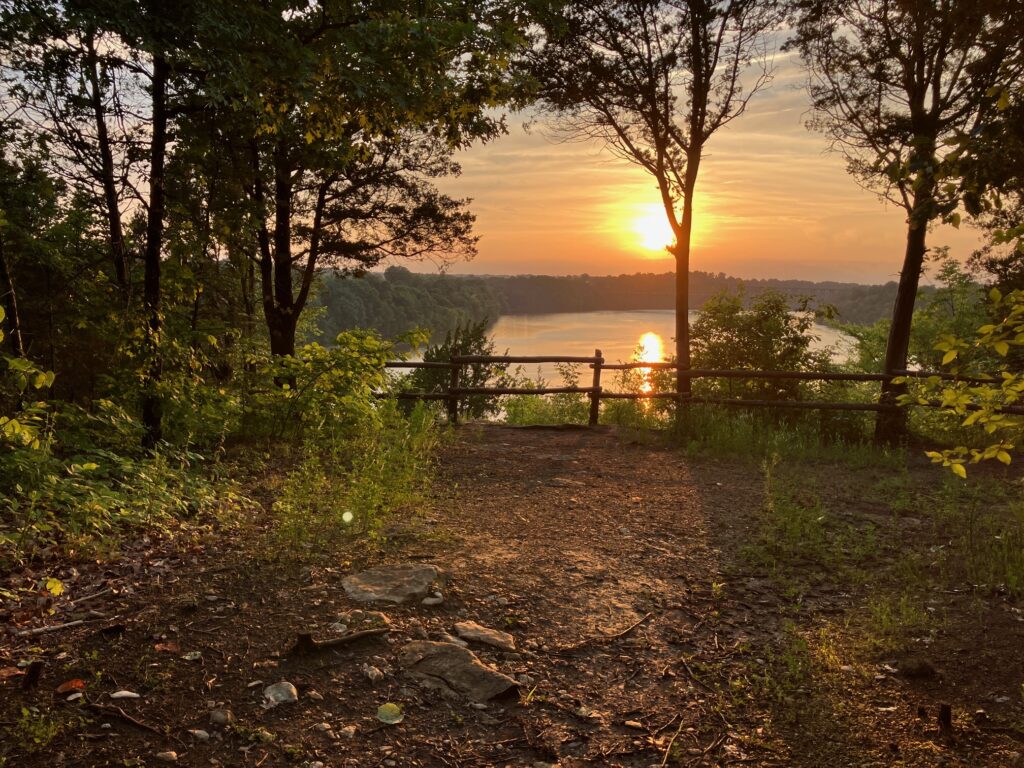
(390, 714)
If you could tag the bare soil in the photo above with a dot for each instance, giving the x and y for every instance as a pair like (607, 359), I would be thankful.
(648, 633)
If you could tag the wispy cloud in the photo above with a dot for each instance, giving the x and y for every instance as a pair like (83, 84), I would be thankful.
(772, 202)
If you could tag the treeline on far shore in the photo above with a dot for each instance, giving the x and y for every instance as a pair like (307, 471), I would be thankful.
(399, 300)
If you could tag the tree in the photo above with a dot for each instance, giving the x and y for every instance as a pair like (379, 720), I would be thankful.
(343, 114)
(654, 80)
(891, 83)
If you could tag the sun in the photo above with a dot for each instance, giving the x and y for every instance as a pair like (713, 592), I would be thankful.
(651, 226)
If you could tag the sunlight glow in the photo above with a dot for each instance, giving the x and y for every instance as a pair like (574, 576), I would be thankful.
(650, 349)
(652, 229)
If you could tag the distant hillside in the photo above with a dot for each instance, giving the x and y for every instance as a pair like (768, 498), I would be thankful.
(540, 294)
(398, 300)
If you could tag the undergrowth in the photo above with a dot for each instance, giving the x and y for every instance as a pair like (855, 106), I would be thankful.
(343, 486)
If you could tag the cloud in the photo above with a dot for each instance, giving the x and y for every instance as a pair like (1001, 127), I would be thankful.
(772, 201)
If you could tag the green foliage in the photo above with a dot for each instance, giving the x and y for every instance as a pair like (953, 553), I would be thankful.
(35, 729)
(562, 408)
(346, 486)
(765, 335)
(980, 405)
(465, 339)
(79, 493)
(400, 301)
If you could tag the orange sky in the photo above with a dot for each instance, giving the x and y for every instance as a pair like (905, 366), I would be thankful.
(771, 202)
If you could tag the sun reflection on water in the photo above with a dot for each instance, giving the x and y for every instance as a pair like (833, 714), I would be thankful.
(649, 349)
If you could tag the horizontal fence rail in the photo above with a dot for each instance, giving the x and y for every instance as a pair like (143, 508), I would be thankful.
(455, 392)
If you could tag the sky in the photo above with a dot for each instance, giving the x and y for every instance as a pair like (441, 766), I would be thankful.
(772, 201)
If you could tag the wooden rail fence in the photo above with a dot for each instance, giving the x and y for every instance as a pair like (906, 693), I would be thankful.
(455, 392)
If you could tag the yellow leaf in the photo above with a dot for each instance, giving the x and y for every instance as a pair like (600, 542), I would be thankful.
(949, 357)
(959, 470)
(1003, 456)
(55, 586)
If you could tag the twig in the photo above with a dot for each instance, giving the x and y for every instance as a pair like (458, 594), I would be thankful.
(306, 644)
(666, 725)
(671, 743)
(90, 597)
(694, 677)
(53, 628)
(600, 639)
(711, 747)
(118, 712)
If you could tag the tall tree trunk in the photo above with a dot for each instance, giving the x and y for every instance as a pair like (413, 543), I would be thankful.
(151, 405)
(281, 321)
(115, 232)
(13, 319)
(890, 425)
(682, 253)
(282, 334)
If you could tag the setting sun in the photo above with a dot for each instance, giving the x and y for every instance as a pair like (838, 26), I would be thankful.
(653, 229)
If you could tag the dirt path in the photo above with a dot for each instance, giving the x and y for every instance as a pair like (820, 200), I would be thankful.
(643, 638)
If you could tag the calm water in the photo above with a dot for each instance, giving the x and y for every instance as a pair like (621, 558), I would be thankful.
(616, 334)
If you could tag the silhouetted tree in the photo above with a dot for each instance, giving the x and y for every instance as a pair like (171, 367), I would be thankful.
(654, 81)
(891, 84)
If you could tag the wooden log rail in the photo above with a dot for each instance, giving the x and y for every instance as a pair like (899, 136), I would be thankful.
(455, 392)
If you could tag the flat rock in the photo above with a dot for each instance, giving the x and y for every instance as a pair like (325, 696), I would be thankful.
(280, 693)
(454, 670)
(470, 630)
(392, 583)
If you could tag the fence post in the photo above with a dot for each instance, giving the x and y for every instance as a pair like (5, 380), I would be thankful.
(453, 395)
(595, 396)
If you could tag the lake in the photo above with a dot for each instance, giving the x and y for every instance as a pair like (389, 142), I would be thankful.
(617, 334)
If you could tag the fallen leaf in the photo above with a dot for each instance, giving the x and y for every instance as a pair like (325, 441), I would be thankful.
(71, 685)
(9, 672)
(125, 695)
(390, 714)
(168, 647)
(55, 587)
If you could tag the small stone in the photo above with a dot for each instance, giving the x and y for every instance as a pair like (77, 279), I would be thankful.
(222, 717)
(349, 731)
(432, 600)
(373, 674)
(127, 695)
(470, 630)
(167, 757)
(418, 631)
(323, 727)
(199, 735)
(74, 696)
(525, 679)
(634, 724)
(280, 693)
(315, 695)
(106, 726)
